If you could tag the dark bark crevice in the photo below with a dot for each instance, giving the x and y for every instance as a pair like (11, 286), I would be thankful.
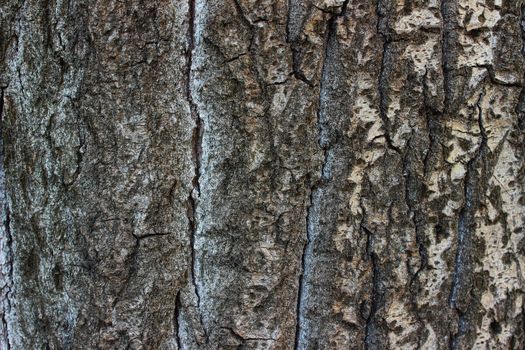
(176, 320)
(432, 116)
(196, 141)
(413, 197)
(371, 332)
(448, 11)
(460, 294)
(384, 73)
(7, 274)
(197, 130)
(242, 339)
(315, 191)
(494, 79)
(301, 285)
(520, 108)
(79, 159)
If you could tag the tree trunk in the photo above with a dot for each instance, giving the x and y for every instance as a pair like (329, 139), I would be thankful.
(273, 174)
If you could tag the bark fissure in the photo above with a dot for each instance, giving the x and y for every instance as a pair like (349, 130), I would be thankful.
(465, 232)
(287, 25)
(7, 273)
(431, 120)
(494, 79)
(197, 130)
(412, 197)
(301, 285)
(520, 108)
(447, 36)
(242, 339)
(297, 73)
(79, 159)
(315, 191)
(176, 320)
(197, 136)
(370, 328)
(384, 74)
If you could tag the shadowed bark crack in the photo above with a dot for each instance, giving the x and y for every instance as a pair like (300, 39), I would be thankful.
(384, 74)
(520, 108)
(432, 117)
(6, 245)
(241, 338)
(448, 12)
(466, 226)
(301, 286)
(494, 79)
(370, 329)
(79, 158)
(315, 191)
(176, 318)
(412, 198)
(197, 135)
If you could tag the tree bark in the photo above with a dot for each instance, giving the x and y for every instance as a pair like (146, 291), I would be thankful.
(273, 174)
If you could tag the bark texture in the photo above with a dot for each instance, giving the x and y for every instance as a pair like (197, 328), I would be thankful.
(262, 174)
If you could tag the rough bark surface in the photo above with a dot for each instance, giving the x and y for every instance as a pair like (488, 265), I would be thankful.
(262, 174)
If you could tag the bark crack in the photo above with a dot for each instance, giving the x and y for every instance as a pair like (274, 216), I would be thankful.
(494, 79)
(412, 198)
(176, 318)
(431, 117)
(6, 241)
(313, 208)
(466, 223)
(79, 158)
(447, 10)
(370, 329)
(301, 285)
(196, 140)
(520, 108)
(384, 74)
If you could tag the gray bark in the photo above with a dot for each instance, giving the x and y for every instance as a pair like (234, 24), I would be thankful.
(272, 174)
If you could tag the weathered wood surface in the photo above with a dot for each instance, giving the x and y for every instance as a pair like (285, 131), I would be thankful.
(256, 174)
